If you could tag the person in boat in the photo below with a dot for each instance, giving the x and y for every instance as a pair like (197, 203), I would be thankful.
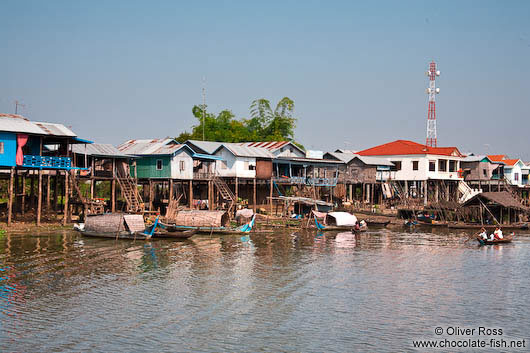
(498, 233)
(483, 234)
(357, 226)
(362, 224)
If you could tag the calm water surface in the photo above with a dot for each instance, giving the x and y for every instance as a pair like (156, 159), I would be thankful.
(288, 292)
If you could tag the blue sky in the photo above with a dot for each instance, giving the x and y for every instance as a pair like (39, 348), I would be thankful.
(115, 70)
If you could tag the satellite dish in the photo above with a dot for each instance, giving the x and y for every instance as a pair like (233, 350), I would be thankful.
(437, 90)
(428, 91)
(438, 73)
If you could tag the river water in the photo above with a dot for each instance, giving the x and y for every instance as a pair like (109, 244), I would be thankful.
(287, 292)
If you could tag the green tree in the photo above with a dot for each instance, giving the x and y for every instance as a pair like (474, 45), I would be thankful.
(272, 125)
(265, 124)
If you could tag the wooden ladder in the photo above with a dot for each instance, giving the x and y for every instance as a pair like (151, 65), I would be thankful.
(130, 193)
(92, 206)
(226, 193)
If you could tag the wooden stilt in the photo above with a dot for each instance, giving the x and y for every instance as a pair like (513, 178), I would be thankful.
(10, 197)
(55, 192)
(237, 189)
(39, 198)
(92, 185)
(170, 190)
(151, 192)
(32, 191)
(16, 191)
(190, 193)
(66, 197)
(254, 194)
(425, 190)
(48, 190)
(210, 195)
(113, 195)
(270, 198)
(23, 197)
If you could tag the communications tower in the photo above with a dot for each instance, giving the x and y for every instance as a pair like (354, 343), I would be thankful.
(432, 91)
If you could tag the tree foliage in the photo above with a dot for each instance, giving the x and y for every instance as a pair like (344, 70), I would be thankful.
(264, 124)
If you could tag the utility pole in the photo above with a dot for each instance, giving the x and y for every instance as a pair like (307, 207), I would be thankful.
(18, 104)
(203, 105)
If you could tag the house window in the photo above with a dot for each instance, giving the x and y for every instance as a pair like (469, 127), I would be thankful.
(484, 172)
(1, 147)
(432, 166)
(452, 166)
(442, 165)
(158, 164)
(397, 166)
(415, 165)
(516, 176)
(182, 166)
(251, 167)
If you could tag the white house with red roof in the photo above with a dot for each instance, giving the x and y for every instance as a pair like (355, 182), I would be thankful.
(515, 171)
(414, 161)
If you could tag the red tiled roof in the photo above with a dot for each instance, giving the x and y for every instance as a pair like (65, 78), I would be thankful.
(497, 157)
(404, 147)
(510, 161)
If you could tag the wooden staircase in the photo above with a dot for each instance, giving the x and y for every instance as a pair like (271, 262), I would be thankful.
(91, 206)
(226, 194)
(129, 192)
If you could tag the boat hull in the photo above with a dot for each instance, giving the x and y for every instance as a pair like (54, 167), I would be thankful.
(504, 240)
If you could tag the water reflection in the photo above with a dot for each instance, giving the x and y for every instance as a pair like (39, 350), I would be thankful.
(292, 291)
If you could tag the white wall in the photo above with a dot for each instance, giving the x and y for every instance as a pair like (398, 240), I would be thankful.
(235, 166)
(423, 173)
(510, 171)
(288, 151)
(187, 173)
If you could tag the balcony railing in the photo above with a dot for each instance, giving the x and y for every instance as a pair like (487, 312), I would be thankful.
(306, 181)
(202, 176)
(47, 162)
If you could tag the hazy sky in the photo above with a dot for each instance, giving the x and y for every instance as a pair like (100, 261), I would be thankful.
(114, 70)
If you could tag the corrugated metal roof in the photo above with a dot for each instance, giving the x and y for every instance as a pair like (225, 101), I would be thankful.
(98, 149)
(207, 146)
(348, 157)
(344, 157)
(143, 147)
(245, 151)
(17, 123)
(374, 160)
(270, 145)
(55, 129)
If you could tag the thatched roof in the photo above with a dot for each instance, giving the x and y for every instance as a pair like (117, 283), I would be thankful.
(501, 198)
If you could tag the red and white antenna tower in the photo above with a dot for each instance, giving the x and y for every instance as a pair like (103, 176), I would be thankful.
(432, 91)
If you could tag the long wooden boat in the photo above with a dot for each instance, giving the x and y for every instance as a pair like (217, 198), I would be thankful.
(506, 239)
(115, 235)
(213, 230)
(487, 226)
(377, 223)
(184, 234)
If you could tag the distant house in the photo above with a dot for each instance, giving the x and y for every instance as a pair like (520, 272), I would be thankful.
(414, 161)
(100, 160)
(161, 159)
(30, 144)
(236, 160)
(361, 169)
(515, 171)
(481, 168)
